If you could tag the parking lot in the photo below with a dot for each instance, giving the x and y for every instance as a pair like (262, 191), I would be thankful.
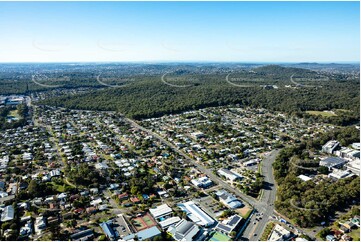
(210, 206)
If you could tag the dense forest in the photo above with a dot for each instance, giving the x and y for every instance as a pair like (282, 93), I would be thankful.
(150, 97)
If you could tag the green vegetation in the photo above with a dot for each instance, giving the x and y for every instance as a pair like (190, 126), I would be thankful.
(150, 97)
(355, 234)
(83, 175)
(323, 233)
(309, 203)
(267, 231)
(20, 112)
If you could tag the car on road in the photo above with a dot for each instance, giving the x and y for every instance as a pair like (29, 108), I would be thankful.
(254, 234)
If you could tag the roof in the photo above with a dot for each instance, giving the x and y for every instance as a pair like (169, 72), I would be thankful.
(304, 178)
(229, 224)
(7, 214)
(148, 233)
(82, 235)
(108, 230)
(332, 161)
(169, 221)
(196, 214)
(160, 210)
(184, 230)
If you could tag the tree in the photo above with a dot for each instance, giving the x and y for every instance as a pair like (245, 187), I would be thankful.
(323, 170)
(324, 232)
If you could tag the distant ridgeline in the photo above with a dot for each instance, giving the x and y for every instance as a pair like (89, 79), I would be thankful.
(143, 91)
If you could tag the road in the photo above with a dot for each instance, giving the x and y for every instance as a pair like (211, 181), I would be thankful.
(265, 205)
(201, 168)
(299, 84)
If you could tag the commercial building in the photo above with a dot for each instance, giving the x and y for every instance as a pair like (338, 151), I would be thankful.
(108, 230)
(160, 211)
(228, 199)
(229, 174)
(184, 231)
(164, 224)
(229, 225)
(84, 235)
(202, 182)
(331, 146)
(148, 234)
(338, 174)
(279, 234)
(7, 214)
(196, 214)
(354, 167)
(332, 162)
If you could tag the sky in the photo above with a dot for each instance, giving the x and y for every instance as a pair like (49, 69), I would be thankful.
(179, 31)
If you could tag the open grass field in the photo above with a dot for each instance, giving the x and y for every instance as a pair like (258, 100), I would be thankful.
(15, 114)
(245, 211)
(355, 234)
(322, 113)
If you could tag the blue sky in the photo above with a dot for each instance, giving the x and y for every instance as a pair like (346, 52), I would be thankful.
(179, 31)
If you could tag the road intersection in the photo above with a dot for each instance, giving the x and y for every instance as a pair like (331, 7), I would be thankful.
(264, 206)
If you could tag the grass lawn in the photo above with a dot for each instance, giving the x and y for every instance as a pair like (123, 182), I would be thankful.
(355, 234)
(322, 113)
(15, 114)
(267, 231)
(245, 211)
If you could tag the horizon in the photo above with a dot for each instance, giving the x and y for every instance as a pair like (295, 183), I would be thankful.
(171, 32)
(191, 62)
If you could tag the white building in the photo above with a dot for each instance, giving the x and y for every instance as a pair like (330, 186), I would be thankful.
(196, 214)
(304, 178)
(7, 214)
(229, 174)
(184, 231)
(202, 182)
(338, 174)
(279, 234)
(160, 211)
(330, 146)
(228, 199)
(169, 222)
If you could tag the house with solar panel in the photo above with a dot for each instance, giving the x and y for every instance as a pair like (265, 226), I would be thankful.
(333, 162)
(229, 225)
(184, 231)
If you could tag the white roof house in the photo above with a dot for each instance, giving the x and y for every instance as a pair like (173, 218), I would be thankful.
(7, 214)
(202, 182)
(168, 222)
(229, 174)
(196, 214)
(160, 211)
(279, 234)
(304, 178)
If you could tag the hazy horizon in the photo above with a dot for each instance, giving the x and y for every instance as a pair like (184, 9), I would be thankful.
(267, 32)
